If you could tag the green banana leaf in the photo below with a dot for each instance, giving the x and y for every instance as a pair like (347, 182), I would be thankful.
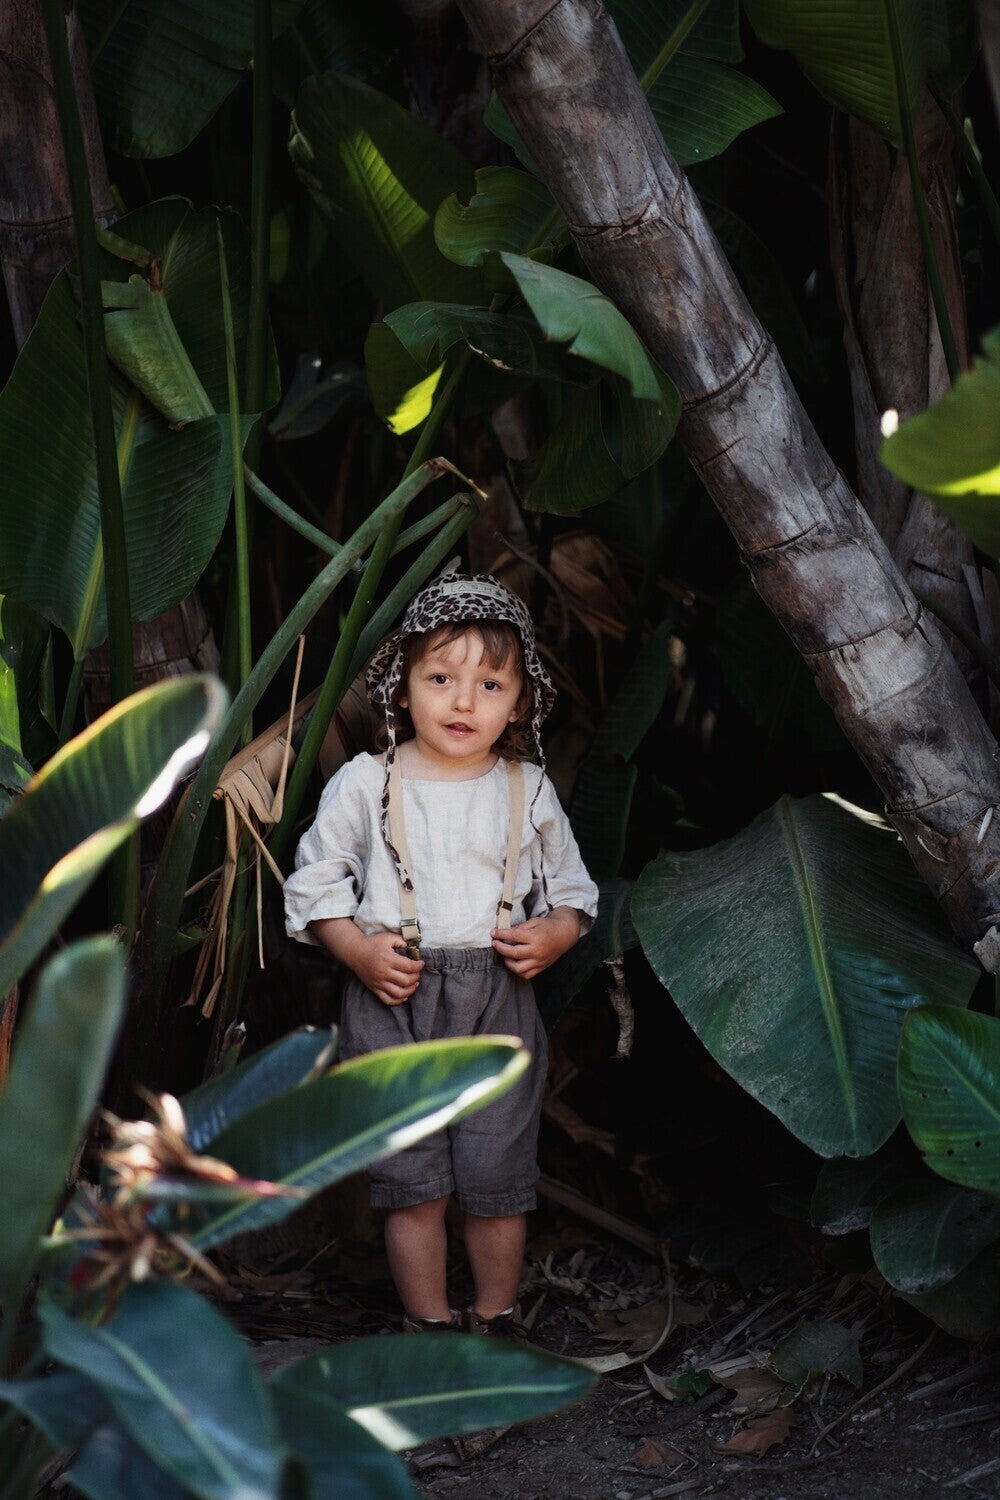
(363, 1111)
(378, 175)
(847, 1189)
(179, 1379)
(161, 68)
(969, 1306)
(925, 1233)
(60, 1057)
(85, 803)
(508, 211)
(795, 951)
(952, 451)
(949, 1085)
(405, 1390)
(323, 38)
(285, 1064)
(603, 437)
(844, 49)
(25, 735)
(574, 312)
(700, 104)
(176, 482)
(340, 1457)
(73, 1414)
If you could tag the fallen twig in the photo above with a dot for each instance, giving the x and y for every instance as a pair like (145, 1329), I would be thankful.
(987, 1366)
(567, 1197)
(980, 1472)
(877, 1390)
(965, 1418)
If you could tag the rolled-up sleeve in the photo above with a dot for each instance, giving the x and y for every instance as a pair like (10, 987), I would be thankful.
(556, 857)
(329, 874)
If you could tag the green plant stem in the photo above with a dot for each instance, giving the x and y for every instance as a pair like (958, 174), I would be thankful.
(244, 650)
(919, 199)
(124, 871)
(971, 161)
(70, 703)
(671, 45)
(321, 539)
(166, 900)
(260, 218)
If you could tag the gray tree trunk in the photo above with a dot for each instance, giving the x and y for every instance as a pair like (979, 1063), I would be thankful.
(816, 558)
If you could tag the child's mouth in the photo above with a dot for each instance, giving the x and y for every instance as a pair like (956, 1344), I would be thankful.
(459, 728)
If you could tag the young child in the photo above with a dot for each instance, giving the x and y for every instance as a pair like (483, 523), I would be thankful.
(445, 876)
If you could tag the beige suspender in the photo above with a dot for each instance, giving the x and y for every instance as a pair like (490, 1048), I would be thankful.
(409, 926)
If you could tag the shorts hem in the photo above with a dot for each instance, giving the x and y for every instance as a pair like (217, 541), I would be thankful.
(408, 1195)
(498, 1205)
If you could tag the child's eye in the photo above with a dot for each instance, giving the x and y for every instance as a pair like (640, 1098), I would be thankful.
(439, 677)
(493, 687)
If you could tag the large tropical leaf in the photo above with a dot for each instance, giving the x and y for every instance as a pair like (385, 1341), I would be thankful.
(161, 68)
(795, 950)
(60, 1057)
(179, 1379)
(363, 1111)
(25, 735)
(844, 48)
(341, 1458)
(406, 1390)
(378, 175)
(73, 1414)
(952, 451)
(87, 800)
(969, 1306)
(949, 1084)
(848, 1188)
(925, 1233)
(508, 211)
(285, 1064)
(176, 481)
(700, 104)
(325, 38)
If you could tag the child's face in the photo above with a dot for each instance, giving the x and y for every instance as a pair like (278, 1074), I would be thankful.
(459, 704)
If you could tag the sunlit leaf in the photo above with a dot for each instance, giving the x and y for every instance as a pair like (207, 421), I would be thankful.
(952, 451)
(85, 803)
(378, 175)
(507, 212)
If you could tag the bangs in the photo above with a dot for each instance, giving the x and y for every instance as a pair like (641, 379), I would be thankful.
(501, 643)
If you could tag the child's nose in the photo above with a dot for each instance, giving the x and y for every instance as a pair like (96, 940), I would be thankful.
(463, 696)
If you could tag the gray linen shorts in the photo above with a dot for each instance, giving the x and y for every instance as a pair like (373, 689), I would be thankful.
(487, 1159)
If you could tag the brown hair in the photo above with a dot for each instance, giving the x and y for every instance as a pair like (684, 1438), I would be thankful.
(501, 643)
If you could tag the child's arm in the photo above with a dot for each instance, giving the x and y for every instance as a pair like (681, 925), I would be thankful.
(376, 960)
(532, 946)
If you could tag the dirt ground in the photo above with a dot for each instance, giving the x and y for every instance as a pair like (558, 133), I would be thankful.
(923, 1420)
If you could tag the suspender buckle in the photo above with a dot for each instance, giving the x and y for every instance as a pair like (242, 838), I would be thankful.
(410, 930)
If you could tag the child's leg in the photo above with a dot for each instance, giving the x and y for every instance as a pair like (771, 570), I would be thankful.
(416, 1243)
(496, 1255)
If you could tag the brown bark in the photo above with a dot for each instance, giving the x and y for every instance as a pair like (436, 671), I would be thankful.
(815, 556)
(890, 331)
(36, 217)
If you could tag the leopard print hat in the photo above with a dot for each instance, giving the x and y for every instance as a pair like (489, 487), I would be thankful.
(453, 597)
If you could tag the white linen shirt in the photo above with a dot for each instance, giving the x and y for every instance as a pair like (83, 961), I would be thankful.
(457, 834)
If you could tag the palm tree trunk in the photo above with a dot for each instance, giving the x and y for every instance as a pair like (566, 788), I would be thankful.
(894, 353)
(816, 558)
(36, 218)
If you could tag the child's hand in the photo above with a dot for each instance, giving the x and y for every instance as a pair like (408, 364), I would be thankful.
(376, 960)
(532, 946)
(384, 968)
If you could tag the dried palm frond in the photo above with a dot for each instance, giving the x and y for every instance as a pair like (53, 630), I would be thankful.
(252, 790)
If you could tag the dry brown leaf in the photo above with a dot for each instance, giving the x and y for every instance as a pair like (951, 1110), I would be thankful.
(642, 1324)
(760, 1435)
(652, 1454)
(660, 1385)
(754, 1390)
